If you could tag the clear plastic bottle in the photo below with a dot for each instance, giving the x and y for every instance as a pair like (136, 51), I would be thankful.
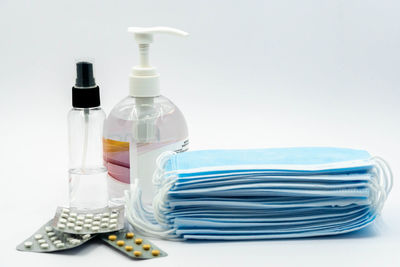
(87, 173)
(142, 126)
(165, 129)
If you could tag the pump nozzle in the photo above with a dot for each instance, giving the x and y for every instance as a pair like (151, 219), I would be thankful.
(144, 35)
(144, 79)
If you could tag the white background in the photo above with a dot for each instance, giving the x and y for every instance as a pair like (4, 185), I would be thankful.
(252, 74)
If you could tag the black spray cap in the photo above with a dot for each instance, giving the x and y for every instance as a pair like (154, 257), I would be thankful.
(84, 75)
(85, 93)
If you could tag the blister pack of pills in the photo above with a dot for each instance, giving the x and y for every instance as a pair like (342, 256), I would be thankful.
(47, 239)
(73, 221)
(132, 245)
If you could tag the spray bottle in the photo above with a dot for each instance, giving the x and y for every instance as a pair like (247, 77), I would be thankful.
(87, 173)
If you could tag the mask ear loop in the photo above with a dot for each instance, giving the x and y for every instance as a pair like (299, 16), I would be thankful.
(383, 182)
(139, 220)
(160, 205)
(387, 173)
(164, 181)
(160, 173)
(151, 221)
(378, 194)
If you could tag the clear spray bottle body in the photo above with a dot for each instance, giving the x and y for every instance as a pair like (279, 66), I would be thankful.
(87, 173)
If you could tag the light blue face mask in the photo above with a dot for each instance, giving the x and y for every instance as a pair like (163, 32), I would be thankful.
(283, 160)
(262, 194)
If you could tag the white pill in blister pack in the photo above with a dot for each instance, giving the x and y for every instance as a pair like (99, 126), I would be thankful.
(98, 221)
(38, 236)
(65, 210)
(44, 245)
(50, 234)
(47, 239)
(74, 241)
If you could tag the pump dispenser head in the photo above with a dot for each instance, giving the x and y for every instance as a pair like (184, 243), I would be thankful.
(144, 79)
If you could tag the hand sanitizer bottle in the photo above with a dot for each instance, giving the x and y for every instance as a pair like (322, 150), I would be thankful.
(87, 173)
(142, 126)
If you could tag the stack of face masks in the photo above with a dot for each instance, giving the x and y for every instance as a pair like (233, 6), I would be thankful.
(262, 194)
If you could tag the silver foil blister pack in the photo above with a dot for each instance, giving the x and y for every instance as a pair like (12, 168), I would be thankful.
(48, 239)
(74, 221)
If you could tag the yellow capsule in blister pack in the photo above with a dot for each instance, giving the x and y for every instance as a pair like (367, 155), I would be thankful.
(120, 243)
(112, 237)
(155, 252)
(130, 235)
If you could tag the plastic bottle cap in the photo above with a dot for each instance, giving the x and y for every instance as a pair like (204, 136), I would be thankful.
(85, 93)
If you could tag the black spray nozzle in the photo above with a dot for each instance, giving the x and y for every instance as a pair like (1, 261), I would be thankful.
(84, 75)
(85, 93)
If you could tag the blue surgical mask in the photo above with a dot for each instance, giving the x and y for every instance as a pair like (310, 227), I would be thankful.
(262, 194)
(306, 159)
